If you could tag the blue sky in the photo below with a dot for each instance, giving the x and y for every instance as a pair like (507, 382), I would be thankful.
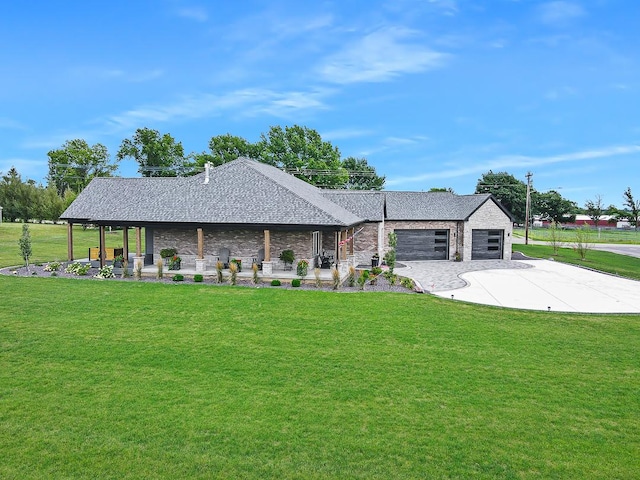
(433, 93)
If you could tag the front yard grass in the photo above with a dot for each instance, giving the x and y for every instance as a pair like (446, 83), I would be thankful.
(129, 380)
(622, 265)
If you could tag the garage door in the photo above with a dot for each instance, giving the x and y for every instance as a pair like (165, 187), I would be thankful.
(487, 244)
(422, 245)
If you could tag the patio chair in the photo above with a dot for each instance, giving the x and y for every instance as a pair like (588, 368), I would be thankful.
(260, 258)
(223, 256)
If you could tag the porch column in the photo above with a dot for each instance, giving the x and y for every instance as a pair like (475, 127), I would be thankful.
(70, 241)
(267, 264)
(138, 260)
(200, 261)
(344, 245)
(103, 252)
(125, 243)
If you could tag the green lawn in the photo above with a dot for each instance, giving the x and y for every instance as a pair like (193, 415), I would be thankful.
(595, 236)
(123, 380)
(49, 242)
(622, 265)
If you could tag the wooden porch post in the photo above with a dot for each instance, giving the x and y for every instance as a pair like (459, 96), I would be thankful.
(103, 252)
(200, 243)
(344, 245)
(353, 240)
(70, 241)
(267, 246)
(125, 243)
(138, 242)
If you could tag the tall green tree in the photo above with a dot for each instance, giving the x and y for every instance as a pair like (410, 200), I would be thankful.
(25, 244)
(633, 206)
(362, 176)
(158, 155)
(14, 196)
(301, 152)
(508, 190)
(76, 163)
(555, 207)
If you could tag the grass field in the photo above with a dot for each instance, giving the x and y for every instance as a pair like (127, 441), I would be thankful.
(49, 242)
(595, 236)
(108, 379)
(622, 265)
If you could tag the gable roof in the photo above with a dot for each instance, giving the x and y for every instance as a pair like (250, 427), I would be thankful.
(243, 192)
(435, 205)
(364, 203)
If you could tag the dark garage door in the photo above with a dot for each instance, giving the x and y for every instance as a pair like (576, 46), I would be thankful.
(422, 245)
(487, 244)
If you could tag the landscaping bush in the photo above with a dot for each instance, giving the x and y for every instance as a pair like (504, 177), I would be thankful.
(275, 283)
(295, 282)
(178, 278)
(198, 278)
(406, 282)
(376, 270)
(77, 268)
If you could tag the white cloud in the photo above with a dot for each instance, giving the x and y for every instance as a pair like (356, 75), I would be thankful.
(379, 57)
(247, 102)
(198, 14)
(560, 12)
(519, 161)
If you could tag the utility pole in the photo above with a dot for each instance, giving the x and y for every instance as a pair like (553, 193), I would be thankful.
(526, 214)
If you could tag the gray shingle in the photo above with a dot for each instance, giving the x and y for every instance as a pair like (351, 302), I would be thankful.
(240, 192)
(366, 204)
(432, 205)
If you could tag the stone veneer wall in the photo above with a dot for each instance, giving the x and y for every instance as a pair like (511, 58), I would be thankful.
(365, 243)
(242, 243)
(489, 217)
(392, 225)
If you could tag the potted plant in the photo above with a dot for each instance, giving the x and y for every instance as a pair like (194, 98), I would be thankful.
(174, 262)
(287, 257)
(118, 260)
(375, 260)
(167, 253)
(238, 263)
(302, 268)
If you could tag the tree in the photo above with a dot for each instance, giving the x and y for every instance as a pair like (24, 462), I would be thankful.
(76, 163)
(509, 191)
(555, 207)
(25, 244)
(362, 176)
(13, 193)
(633, 205)
(222, 149)
(301, 152)
(441, 189)
(594, 209)
(157, 155)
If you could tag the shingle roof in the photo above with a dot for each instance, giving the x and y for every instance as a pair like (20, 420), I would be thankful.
(432, 205)
(366, 204)
(240, 192)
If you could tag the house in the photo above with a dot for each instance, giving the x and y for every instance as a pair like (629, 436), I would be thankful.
(256, 211)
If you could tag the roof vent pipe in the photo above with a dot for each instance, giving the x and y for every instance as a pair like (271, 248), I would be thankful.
(207, 167)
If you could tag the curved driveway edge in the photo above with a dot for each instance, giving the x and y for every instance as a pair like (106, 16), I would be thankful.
(549, 285)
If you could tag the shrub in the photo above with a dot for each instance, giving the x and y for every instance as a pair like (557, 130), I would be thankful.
(335, 276)
(287, 256)
(254, 269)
(316, 272)
(77, 268)
(295, 282)
(390, 256)
(168, 252)
(198, 278)
(276, 283)
(125, 269)
(362, 279)
(233, 273)
(376, 270)
(52, 267)
(105, 272)
(406, 282)
(219, 268)
(178, 278)
(392, 278)
(159, 269)
(302, 268)
(351, 279)
(137, 272)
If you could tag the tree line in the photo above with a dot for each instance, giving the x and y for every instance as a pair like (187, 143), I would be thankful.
(551, 205)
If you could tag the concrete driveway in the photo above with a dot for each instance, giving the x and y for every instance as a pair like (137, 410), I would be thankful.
(549, 285)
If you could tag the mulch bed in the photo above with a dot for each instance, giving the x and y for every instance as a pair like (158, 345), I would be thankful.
(381, 284)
